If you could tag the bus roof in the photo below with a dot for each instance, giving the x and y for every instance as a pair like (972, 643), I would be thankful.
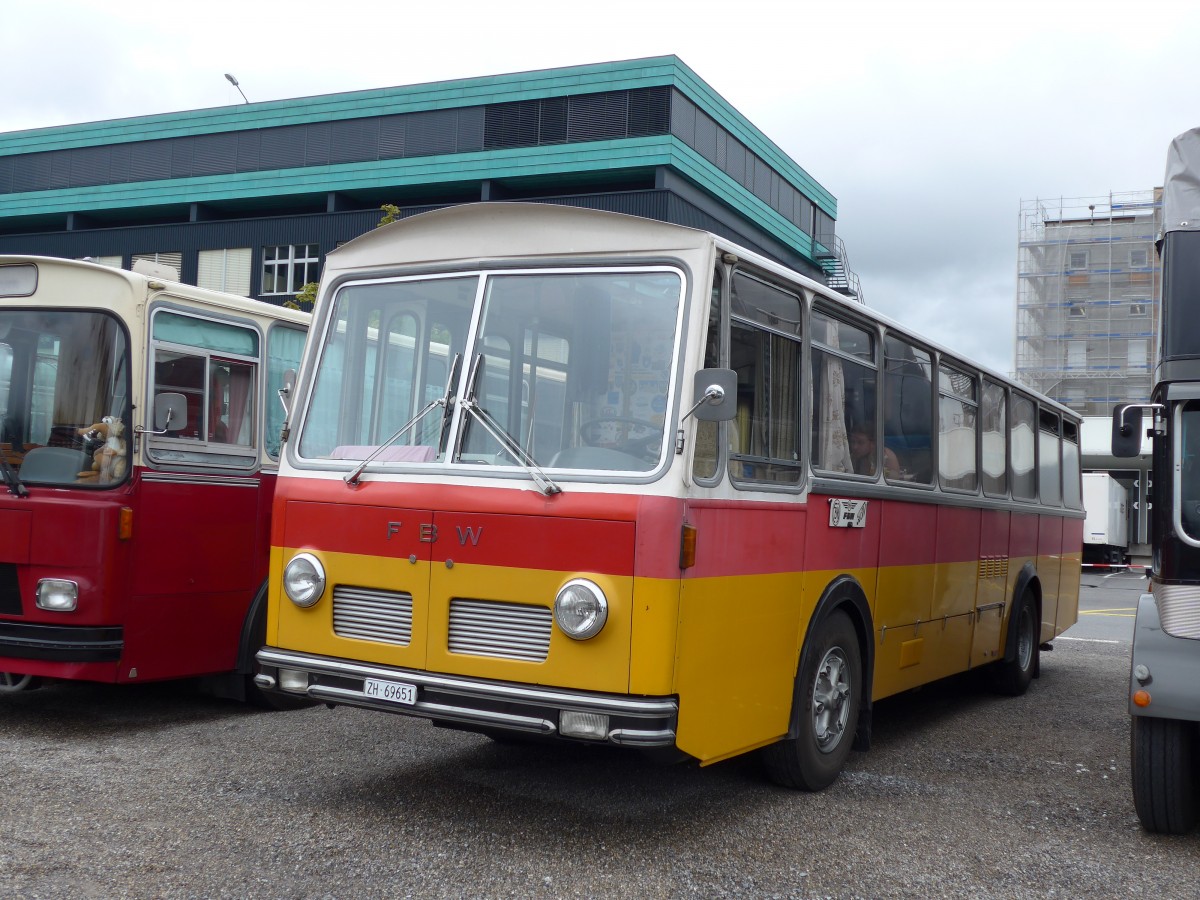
(140, 283)
(472, 233)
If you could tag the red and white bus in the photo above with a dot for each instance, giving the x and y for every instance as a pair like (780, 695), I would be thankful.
(567, 473)
(139, 438)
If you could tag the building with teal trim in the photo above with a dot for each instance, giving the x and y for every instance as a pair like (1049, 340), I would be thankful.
(249, 198)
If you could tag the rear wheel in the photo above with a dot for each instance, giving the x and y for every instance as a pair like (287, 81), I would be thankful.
(825, 711)
(1013, 676)
(1163, 765)
(12, 682)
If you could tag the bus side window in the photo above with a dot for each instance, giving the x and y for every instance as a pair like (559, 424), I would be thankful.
(908, 409)
(959, 417)
(704, 462)
(764, 350)
(995, 440)
(843, 378)
(1021, 446)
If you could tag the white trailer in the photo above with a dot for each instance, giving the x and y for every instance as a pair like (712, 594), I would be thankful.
(1106, 528)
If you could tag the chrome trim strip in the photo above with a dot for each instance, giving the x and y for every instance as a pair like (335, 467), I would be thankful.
(628, 737)
(433, 710)
(163, 478)
(474, 687)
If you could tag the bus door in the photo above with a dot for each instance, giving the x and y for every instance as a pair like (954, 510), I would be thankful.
(200, 542)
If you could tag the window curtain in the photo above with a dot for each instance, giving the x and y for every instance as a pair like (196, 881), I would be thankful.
(241, 382)
(835, 441)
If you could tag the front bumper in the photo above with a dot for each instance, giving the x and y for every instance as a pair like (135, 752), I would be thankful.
(1173, 665)
(475, 702)
(61, 643)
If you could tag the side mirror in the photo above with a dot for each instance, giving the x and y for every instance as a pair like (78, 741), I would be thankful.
(715, 391)
(170, 412)
(1127, 430)
(285, 392)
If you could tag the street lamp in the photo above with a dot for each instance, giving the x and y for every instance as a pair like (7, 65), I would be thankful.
(234, 82)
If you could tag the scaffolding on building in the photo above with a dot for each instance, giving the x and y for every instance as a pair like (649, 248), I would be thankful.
(1088, 288)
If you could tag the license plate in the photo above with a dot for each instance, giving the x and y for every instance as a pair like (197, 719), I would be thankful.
(391, 691)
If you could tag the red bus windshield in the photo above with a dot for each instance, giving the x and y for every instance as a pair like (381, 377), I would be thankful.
(62, 375)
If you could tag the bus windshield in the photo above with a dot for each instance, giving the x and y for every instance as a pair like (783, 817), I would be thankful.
(62, 373)
(570, 369)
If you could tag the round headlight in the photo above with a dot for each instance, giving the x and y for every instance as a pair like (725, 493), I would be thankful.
(304, 579)
(580, 609)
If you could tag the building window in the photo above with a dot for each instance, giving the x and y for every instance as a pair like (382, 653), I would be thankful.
(287, 268)
(1139, 309)
(1076, 310)
(1139, 259)
(174, 260)
(1137, 354)
(113, 262)
(1076, 354)
(225, 270)
(1077, 259)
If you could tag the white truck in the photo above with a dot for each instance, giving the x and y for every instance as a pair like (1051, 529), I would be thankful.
(1106, 528)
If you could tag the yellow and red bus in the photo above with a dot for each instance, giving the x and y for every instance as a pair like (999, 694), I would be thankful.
(139, 439)
(567, 473)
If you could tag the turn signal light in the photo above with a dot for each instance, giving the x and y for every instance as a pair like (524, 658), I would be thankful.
(125, 523)
(1141, 698)
(687, 547)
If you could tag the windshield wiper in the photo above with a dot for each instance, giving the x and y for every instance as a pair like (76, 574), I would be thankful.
(445, 402)
(502, 437)
(15, 487)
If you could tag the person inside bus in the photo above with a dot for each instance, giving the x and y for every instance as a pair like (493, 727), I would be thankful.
(862, 451)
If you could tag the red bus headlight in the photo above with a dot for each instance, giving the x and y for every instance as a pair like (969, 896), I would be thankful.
(57, 594)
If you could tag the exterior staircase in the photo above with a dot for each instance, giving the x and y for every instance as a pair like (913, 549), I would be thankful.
(838, 274)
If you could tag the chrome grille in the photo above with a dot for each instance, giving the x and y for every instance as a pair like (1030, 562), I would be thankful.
(1179, 609)
(506, 630)
(372, 615)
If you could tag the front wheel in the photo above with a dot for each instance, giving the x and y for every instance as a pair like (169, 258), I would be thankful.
(13, 682)
(825, 711)
(1162, 755)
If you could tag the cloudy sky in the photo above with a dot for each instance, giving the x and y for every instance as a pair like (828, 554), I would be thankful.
(929, 121)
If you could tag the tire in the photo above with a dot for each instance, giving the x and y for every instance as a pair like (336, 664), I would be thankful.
(1162, 755)
(829, 687)
(14, 682)
(1012, 678)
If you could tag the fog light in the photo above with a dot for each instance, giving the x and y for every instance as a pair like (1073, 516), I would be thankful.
(291, 680)
(1141, 673)
(57, 594)
(593, 726)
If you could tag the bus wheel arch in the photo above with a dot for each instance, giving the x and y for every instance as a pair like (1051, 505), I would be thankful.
(254, 636)
(830, 704)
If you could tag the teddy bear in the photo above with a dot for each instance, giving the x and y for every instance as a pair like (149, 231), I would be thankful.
(108, 462)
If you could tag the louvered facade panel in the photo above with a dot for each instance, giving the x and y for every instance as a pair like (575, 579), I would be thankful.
(149, 161)
(316, 144)
(391, 137)
(282, 148)
(213, 154)
(90, 165)
(353, 140)
(249, 149)
(552, 124)
(598, 117)
(181, 158)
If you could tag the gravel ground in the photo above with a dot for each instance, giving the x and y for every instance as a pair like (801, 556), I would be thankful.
(156, 792)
